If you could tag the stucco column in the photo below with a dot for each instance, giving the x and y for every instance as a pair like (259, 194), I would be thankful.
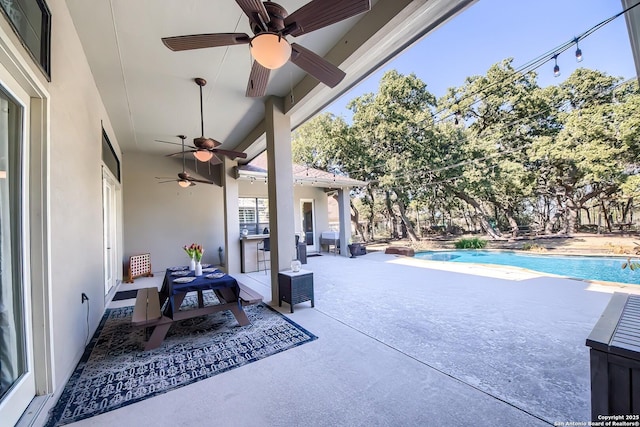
(231, 217)
(280, 184)
(344, 212)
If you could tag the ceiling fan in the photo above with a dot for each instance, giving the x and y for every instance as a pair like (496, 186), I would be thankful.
(270, 24)
(205, 149)
(184, 179)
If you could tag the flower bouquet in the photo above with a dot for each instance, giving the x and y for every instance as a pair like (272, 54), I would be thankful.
(195, 251)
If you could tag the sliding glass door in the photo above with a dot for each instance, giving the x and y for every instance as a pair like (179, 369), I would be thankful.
(17, 385)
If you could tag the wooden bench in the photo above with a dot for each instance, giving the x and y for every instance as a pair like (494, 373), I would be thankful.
(248, 296)
(147, 314)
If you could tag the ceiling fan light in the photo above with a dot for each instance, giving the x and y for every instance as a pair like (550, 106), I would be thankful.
(184, 183)
(270, 50)
(203, 155)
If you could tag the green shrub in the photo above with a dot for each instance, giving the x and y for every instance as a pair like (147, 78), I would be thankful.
(473, 243)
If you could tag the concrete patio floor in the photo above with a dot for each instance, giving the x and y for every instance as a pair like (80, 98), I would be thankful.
(405, 342)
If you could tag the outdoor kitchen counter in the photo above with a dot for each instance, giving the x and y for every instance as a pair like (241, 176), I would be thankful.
(249, 251)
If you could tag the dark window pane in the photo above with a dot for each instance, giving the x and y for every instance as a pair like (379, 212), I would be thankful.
(109, 156)
(31, 20)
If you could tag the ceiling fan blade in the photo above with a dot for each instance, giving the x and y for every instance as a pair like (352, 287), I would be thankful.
(164, 182)
(255, 10)
(258, 80)
(230, 154)
(215, 160)
(203, 181)
(321, 13)
(199, 41)
(316, 65)
(180, 153)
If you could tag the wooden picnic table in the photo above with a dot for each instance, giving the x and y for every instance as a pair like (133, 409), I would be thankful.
(159, 310)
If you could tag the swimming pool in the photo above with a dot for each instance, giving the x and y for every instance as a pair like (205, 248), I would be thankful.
(590, 268)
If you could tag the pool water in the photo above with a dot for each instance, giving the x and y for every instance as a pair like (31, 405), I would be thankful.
(590, 268)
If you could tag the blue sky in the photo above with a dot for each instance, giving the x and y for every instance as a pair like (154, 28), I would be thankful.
(492, 30)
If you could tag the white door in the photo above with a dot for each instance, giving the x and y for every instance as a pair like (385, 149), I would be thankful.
(109, 228)
(307, 213)
(17, 379)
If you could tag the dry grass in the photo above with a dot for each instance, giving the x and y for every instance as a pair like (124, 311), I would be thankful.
(586, 244)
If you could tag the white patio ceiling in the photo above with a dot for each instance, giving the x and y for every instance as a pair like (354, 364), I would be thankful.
(149, 92)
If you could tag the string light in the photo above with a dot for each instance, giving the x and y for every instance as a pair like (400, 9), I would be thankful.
(578, 51)
(556, 68)
(542, 59)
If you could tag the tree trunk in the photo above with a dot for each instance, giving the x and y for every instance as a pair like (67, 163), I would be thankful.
(573, 210)
(405, 221)
(480, 213)
(627, 209)
(553, 220)
(508, 213)
(355, 217)
(605, 211)
(588, 215)
(466, 216)
(392, 216)
(512, 223)
(372, 213)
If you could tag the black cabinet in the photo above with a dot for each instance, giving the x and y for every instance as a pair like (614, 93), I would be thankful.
(295, 287)
(615, 358)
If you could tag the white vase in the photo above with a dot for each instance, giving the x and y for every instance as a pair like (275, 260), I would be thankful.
(192, 264)
(198, 269)
(295, 265)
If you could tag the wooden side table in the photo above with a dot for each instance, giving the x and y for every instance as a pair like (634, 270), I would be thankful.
(295, 287)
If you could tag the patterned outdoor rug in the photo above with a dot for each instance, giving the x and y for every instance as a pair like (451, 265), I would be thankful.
(115, 371)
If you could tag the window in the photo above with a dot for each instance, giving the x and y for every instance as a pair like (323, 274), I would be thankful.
(31, 21)
(254, 214)
(109, 155)
(13, 355)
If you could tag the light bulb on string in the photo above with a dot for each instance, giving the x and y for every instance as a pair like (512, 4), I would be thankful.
(578, 52)
(556, 68)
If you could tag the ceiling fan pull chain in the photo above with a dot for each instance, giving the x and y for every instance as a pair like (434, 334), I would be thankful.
(293, 100)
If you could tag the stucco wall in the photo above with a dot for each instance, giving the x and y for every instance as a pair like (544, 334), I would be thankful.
(76, 119)
(162, 218)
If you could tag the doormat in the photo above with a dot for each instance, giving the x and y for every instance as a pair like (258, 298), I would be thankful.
(119, 296)
(312, 255)
(115, 371)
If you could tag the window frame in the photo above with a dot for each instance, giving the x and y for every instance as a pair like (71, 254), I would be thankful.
(44, 61)
(260, 213)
